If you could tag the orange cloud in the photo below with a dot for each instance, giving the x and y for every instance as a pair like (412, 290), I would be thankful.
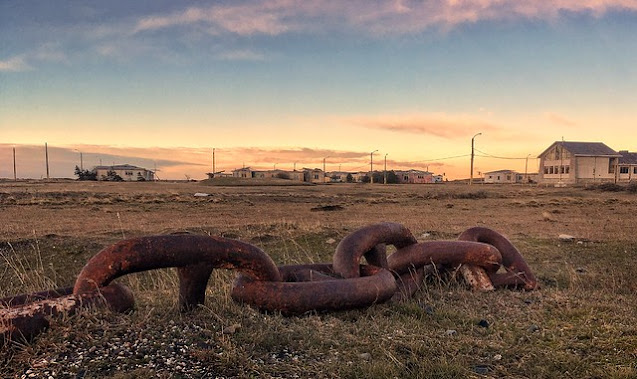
(438, 125)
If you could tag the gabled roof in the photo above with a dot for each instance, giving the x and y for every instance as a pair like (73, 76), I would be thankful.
(627, 157)
(501, 172)
(590, 149)
(119, 167)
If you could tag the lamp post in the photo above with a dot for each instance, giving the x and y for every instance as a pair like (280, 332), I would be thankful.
(371, 166)
(472, 154)
(385, 171)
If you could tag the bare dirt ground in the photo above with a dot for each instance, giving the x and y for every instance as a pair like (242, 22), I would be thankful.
(581, 323)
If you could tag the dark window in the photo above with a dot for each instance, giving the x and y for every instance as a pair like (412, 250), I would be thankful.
(623, 170)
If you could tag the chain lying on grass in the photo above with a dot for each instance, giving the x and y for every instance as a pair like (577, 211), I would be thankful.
(293, 289)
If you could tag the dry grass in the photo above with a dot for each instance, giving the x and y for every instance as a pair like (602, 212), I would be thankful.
(582, 323)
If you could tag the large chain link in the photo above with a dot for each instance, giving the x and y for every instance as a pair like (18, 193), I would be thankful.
(290, 289)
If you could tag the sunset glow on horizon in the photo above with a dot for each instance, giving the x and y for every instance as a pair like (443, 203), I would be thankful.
(289, 83)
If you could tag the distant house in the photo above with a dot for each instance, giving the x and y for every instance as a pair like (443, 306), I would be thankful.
(244, 172)
(578, 162)
(127, 172)
(313, 175)
(414, 176)
(627, 166)
(503, 176)
(337, 176)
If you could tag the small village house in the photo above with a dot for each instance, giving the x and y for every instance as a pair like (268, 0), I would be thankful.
(627, 166)
(314, 175)
(503, 176)
(578, 162)
(244, 172)
(414, 176)
(127, 172)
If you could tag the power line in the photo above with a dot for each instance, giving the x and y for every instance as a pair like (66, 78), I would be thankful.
(487, 155)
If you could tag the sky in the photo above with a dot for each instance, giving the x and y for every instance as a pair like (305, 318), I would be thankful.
(291, 83)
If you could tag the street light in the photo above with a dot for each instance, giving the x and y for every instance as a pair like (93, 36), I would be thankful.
(385, 176)
(371, 166)
(472, 149)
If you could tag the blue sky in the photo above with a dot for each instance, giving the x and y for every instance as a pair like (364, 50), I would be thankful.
(290, 81)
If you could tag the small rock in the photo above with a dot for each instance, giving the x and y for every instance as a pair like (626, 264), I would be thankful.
(425, 235)
(546, 216)
(232, 329)
(497, 357)
(451, 333)
(330, 241)
(365, 356)
(580, 270)
(483, 323)
(566, 238)
(481, 369)
(429, 309)
(201, 194)
(533, 328)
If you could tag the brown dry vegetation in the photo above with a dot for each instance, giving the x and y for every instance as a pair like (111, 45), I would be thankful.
(581, 323)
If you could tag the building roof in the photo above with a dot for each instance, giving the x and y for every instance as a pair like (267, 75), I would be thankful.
(501, 172)
(585, 148)
(119, 167)
(627, 157)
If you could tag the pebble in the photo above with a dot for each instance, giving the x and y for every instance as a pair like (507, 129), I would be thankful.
(451, 332)
(365, 356)
(533, 328)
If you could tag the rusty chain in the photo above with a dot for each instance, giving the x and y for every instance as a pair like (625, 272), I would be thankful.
(486, 259)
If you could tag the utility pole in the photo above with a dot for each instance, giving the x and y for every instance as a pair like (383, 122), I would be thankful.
(46, 152)
(213, 162)
(15, 175)
(324, 164)
(295, 165)
(371, 166)
(472, 154)
(526, 169)
(385, 176)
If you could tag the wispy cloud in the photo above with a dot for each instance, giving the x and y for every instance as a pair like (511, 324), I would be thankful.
(14, 64)
(379, 17)
(438, 125)
(560, 120)
(242, 55)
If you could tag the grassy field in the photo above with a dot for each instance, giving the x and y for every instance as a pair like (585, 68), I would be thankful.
(581, 323)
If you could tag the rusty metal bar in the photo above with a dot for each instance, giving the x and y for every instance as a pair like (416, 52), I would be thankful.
(190, 252)
(377, 285)
(518, 272)
(365, 242)
(446, 253)
(13, 301)
(26, 320)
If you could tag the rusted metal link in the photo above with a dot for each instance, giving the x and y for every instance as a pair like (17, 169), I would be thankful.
(368, 241)
(23, 320)
(323, 293)
(16, 300)
(195, 256)
(291, 289)
(518, 272)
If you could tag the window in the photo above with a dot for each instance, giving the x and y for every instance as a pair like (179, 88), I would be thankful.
(567, 169)
(490, 176)
(551, 170)
(634, 170)
(623, 170)
(561, 169)
(316, 176)
(546, 170)
(509, 177)
(611, 166)
(498, 177)
(129, 173)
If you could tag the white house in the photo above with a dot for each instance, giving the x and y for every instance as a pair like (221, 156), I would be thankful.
(128, 173)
